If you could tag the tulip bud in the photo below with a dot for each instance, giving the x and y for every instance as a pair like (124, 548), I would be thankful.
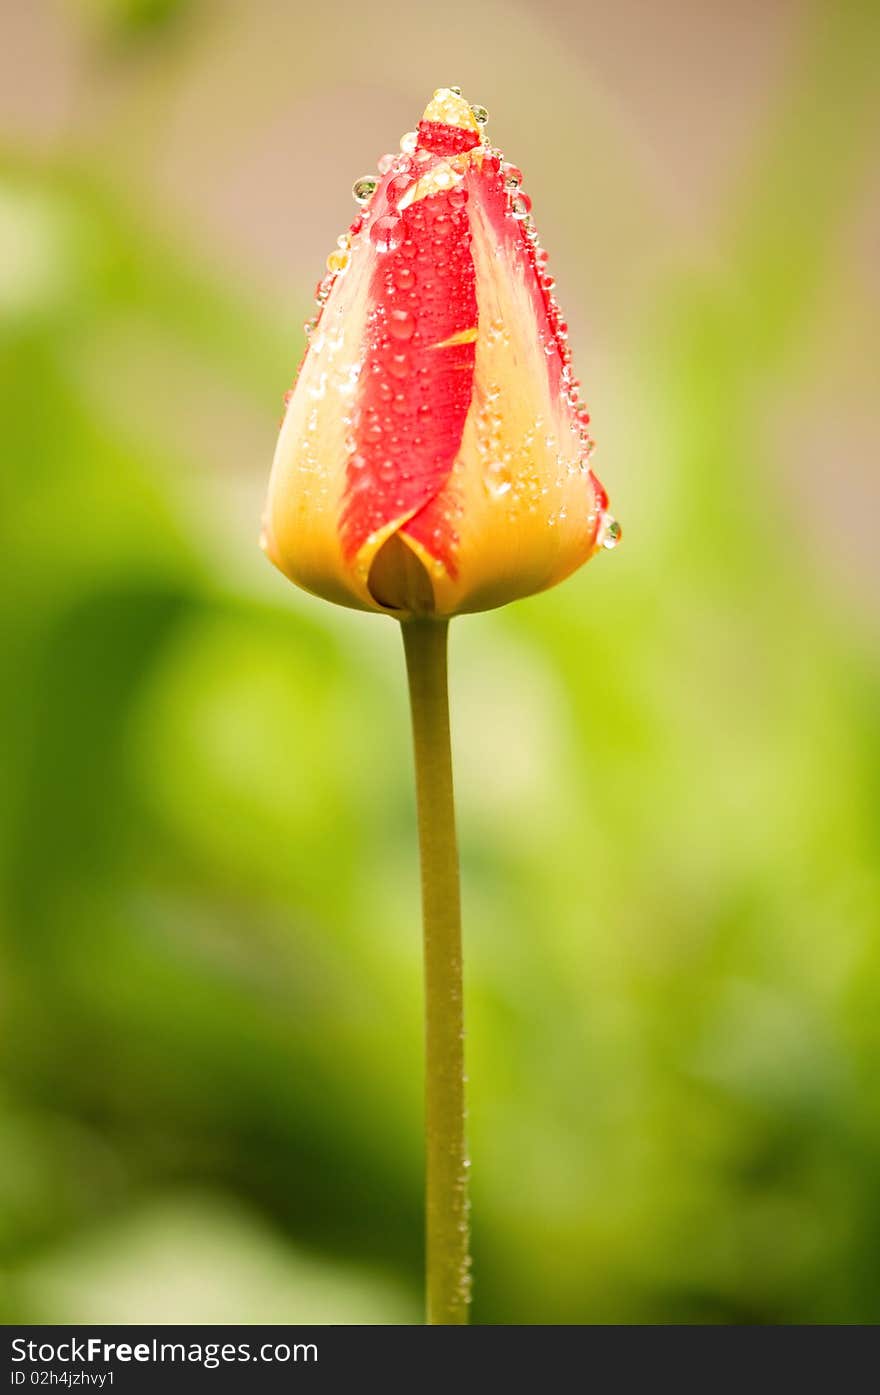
(434, 454)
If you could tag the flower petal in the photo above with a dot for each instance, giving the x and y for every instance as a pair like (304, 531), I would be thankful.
(415, 389)
(375, 421)
(526, 507)
(308, 480)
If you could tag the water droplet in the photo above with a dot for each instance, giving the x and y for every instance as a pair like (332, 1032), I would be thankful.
(397, 187)
(513, 176)
(408, 142)
(401, 324)
(611, 532)
(364, 188)
(338, 261)
(456, 90)
(457, 197)
(403, 277)
(386, 234)
(480, 114)
(498, 480)
(521, 205)
(398, 366)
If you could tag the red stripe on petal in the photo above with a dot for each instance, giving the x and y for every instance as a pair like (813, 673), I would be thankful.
(444, 139)
(600, 492)
(413, 394)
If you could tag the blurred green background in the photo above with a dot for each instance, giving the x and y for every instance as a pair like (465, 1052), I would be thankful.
(668, 768)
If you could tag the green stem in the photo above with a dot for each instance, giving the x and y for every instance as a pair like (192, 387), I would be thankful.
(446, 1190)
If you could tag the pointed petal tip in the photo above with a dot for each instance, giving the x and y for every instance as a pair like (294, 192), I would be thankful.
(449, 108)
(450, 125)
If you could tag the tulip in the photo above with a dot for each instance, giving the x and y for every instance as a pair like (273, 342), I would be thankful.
(434, 458)
(434, 454)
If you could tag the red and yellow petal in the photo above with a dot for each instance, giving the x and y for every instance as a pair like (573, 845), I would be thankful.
(307, 485)
(435, 405)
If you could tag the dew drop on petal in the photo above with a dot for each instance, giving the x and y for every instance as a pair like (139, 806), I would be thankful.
(398, 366)
(364, 188)
(403, 277)
(397, 187)
(386, 234)
(401, 324)
(611, 532)
(480, 114)
(498, 480)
